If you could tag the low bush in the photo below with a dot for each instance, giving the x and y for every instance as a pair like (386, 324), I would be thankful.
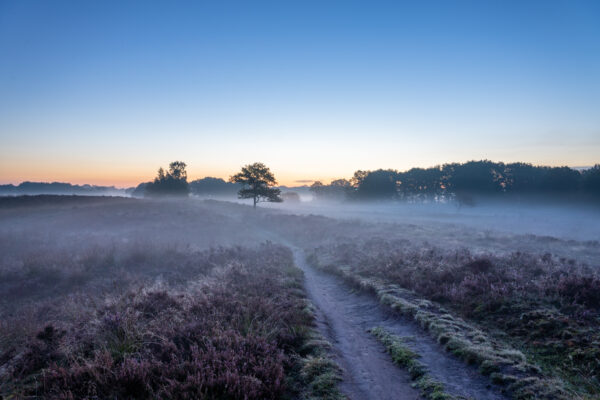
(238, 331)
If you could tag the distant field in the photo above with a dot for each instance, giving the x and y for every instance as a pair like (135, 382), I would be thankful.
(58, 200)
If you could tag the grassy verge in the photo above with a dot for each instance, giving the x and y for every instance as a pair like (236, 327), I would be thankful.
(506, 366)
(403, 356)
(319, 375)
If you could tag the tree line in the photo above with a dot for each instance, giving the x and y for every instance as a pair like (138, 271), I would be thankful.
(446, 182)
(456, 180)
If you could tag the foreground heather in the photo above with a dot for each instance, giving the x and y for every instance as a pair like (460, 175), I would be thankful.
(239, 329)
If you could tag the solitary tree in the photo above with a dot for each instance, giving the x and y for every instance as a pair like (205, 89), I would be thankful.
(257, 184)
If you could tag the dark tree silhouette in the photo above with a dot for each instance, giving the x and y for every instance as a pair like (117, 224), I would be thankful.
(591, 181)
(560, 180)
(476, 177)
(170, 183)
(380, 184)
(336, 190)
(177, 170)
(213, 186)
(421, 183)
(257, 182)
(358, 177)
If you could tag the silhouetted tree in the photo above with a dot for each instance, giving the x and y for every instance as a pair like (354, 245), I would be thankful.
(337, 189)
(140, 190)
(170, 183)
(560, 180)
(476, 177)
(317, 188)
(213, 186)
(380, 184)
(591, 181)
(421, 182)
(257, 182)
(177, 170)
(358, 177)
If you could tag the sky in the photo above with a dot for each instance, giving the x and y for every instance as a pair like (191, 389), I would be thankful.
(107, 92)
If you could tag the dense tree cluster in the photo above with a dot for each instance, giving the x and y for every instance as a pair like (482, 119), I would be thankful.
(473, 178)
(172, 182)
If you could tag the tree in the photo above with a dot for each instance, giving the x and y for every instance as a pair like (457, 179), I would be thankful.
(257, 182)
(170, 183)
(337, 189)
(210, 186)
(177, 170)
(476, 177)
(358, 177)
(380, 184)
(591, 180)
(421, 183)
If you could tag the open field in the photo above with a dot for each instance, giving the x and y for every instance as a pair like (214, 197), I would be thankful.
(128, 298)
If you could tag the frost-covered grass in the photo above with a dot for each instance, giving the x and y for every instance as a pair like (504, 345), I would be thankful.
(403, 356)
(522, 319)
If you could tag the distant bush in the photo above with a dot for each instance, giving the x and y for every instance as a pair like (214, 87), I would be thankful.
(291, 197)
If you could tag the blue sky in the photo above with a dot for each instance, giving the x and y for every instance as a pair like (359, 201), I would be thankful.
(106, 92)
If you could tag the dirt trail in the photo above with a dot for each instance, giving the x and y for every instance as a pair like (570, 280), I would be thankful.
(343, 317)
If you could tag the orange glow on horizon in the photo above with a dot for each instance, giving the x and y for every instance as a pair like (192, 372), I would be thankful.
(122, 177)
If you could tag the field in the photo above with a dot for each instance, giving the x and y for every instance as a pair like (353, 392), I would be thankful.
(126, 298)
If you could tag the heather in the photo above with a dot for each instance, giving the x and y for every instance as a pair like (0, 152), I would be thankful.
(544, 305)
(239, 329)
(126, 298)
(123, 298)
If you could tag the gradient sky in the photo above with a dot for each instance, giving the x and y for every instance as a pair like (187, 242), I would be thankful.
(105, 92)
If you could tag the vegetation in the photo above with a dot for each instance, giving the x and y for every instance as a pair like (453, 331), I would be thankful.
(543, 306)
(449, 182)
(258, 183)
(290, 197)
(463, 181)
(337, 190)
(100, 303)
(98, 291)
(213, 187)
(408, 359)
(34, 188)
(238, 329)
(170, 183)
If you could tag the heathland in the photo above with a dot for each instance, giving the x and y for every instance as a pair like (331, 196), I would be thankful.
(183, 298)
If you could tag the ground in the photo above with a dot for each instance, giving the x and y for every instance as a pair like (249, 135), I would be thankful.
(119, 297)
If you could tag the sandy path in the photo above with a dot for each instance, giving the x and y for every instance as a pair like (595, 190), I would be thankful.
(368, 370)
(343, 317)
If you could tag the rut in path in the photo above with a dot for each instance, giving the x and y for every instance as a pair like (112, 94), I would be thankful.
(343, 317)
